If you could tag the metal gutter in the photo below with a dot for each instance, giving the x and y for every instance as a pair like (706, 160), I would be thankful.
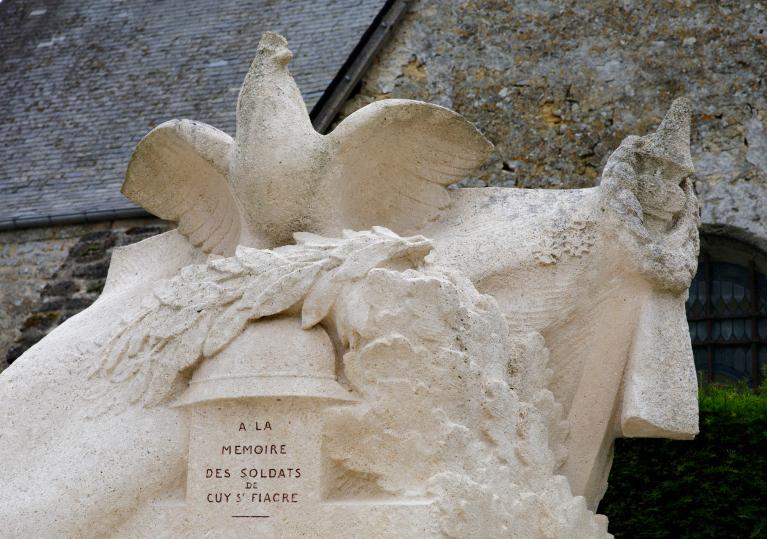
(95, 216)
(322, 115)
(340, 89)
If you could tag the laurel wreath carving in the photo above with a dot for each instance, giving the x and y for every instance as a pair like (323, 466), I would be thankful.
(197, 313)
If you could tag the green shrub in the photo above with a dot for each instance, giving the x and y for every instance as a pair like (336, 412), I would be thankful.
(714, 486)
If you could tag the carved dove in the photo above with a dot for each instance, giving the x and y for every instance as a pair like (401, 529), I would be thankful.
(387, 164)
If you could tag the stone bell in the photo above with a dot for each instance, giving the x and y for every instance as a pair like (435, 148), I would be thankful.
(270, 358)
(255, 412)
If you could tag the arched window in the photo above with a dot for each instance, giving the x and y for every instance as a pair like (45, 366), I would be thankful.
(727, 312)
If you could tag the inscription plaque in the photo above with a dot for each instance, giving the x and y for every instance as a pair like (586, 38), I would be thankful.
(254, 460)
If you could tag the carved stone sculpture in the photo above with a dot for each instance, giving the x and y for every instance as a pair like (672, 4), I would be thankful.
(333, 344)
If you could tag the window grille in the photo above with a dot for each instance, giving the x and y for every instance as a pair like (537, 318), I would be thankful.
(727, 313)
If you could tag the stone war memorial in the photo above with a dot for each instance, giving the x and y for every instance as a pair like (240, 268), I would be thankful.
(334, 344)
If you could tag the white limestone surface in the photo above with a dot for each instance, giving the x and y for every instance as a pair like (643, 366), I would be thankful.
(457, 367)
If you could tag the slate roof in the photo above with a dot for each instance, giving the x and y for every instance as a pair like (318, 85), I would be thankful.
(81, 81)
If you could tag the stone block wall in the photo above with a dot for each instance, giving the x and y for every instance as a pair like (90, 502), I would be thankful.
(554, 85)
(50, 274)
(557, 85)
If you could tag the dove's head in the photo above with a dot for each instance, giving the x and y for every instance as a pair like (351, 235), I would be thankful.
(273, 49)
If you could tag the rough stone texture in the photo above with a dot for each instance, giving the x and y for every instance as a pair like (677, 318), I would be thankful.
(557, 85)
(468, 385)
(414, 454)
(602, 273)
(50, 274)
(28, 260)
(82, 81)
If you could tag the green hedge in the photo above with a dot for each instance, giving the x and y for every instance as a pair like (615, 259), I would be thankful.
(713, 486)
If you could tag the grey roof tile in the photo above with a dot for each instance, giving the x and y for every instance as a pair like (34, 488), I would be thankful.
(82, 81)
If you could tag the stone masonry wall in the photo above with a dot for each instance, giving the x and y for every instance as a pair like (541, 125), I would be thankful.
(50, 274)
(556, 85)
(28, 259)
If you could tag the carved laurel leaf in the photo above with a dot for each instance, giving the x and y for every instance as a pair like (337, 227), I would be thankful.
(227, 266)
(200, 311)
(359, 257)
(163, 378)
(286, 290)
(225, 327)
(360, 262)
(117, 348)
(307, 238)
(257, 261)
(320, 299)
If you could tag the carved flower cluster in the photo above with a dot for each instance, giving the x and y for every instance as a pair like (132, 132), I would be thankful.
(575, 240)
(442, 417)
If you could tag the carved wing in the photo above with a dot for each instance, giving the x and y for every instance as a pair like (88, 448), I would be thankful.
(178, 172)
(396, 157)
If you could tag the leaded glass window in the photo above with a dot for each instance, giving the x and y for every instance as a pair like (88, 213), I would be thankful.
(727, 313)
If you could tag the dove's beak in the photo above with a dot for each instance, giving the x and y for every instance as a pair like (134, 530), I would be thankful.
(283, 55)
(275, 47)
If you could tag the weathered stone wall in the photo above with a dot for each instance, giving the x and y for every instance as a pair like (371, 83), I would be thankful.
(50, 274)
(28, 259)
(557, 85)
(554, 85)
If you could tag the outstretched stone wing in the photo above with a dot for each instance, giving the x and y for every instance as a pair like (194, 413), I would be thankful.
(178, 172)
(395, 158)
